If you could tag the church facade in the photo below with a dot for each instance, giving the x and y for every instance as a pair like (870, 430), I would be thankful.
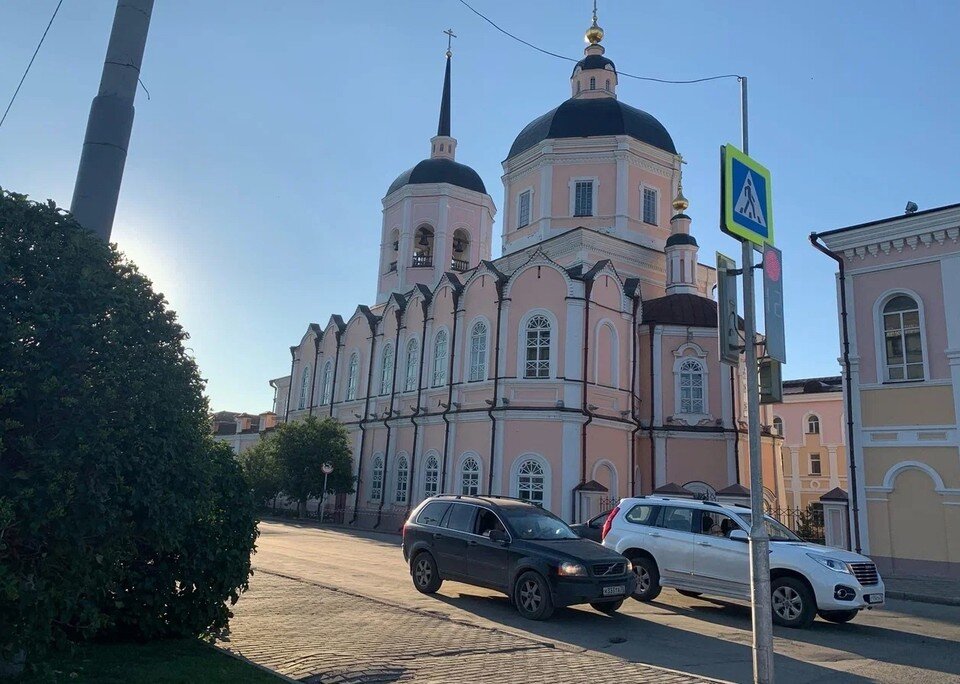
(577, 367)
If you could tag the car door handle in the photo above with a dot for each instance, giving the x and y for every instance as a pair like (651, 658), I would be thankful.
(437, 535)
(654, 534)
(470, 542)
(700, 543)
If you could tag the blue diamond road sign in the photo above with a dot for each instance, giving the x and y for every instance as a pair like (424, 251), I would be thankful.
(747, 211)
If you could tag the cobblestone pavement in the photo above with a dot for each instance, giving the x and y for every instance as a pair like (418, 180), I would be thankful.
(319, 634)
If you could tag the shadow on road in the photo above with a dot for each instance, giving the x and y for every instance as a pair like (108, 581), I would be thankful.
(725, 656)
(381, 538)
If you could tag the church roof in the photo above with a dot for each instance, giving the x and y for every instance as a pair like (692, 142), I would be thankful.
(594, 62)
(440, 171)
(585, 117)
(681, 309)
(681, 239)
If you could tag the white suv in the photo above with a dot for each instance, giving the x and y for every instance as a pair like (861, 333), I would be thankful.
(700, 547)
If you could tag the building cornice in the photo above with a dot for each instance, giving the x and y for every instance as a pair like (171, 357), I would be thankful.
(910, 231)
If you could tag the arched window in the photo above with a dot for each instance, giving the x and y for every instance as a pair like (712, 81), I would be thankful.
(593, 83)
(461, 251)
(478, 352)
(376, 481)
(903, 346)
(813, 425)
(304, 388)
(608, 84)
(413, 364)
(326, 383)
(423, 247)
(606, 354)
(691, 387)
(778, 425)
(530, 481)
(431, 476)
(440, 359)
(537, 364)
(386, 370)
(470, 476)
(353, 372)
(403, 474)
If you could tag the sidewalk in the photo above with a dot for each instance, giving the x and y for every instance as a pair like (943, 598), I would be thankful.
(924, 589)
(321, 635)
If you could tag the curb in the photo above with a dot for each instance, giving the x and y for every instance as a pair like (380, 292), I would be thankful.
(242, 658)
(923, 598)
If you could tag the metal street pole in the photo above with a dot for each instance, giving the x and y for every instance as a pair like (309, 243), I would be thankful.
(759, 540)
(327, 469)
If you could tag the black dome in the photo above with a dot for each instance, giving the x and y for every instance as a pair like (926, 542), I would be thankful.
(681, 239)
(440, 171)
(584, 117)
(594, 62)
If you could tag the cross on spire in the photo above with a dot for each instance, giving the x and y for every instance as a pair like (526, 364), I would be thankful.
(450, 36)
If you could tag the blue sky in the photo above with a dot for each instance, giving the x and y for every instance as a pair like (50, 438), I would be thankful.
(252, 190)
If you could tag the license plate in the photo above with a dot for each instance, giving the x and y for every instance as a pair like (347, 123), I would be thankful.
(614, 591)
(873, 598)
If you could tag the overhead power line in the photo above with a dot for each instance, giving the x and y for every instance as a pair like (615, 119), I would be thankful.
(571, 59)
(27, 70)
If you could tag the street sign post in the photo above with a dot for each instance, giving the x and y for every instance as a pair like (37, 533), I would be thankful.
(727, 310)
(773, 303)
(746, 211)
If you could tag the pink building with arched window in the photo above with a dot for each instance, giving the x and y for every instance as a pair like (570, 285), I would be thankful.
(577, 367)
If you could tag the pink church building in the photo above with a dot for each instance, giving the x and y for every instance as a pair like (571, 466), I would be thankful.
(577, 367)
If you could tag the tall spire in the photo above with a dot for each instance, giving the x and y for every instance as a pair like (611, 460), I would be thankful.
(443, 144)
(443, 128)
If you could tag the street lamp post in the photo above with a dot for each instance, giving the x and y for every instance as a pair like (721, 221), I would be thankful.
(327, 468)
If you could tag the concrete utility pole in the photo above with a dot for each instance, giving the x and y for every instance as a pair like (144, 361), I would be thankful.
(111, 120)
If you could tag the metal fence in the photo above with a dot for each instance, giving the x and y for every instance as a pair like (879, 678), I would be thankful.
(806, 523)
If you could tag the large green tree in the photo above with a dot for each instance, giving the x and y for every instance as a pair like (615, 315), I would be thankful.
(262, 470)
(302, 447)
(118, 513)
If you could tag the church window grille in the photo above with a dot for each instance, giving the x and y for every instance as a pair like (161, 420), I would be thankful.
(353, 372)
(478, 352)
(583, 198)
(903, 345)
(413, 364)
(403, 474)
(593, 83)
(440, 359)
(537, 364)
(376, 481)
(523, 215)
(691, 387)
(530, 482)
(304, 388)
(650, 206)
(386, 370)
(470, 477)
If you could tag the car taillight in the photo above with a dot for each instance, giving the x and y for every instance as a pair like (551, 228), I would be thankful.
(608, 522)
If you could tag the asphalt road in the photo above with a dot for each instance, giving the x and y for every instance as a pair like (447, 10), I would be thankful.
(905, 642)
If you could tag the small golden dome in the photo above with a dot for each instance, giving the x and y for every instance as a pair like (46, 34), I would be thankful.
(594, 34)
(680, 202)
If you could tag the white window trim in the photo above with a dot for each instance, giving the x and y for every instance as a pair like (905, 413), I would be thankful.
(698, 354)
(806, 424)
(326, 383)
(423, 477)
(614, 352)
(522, 345)
(402, 457)
(356, 381)
(468, 344)
(463, 458)
(386, 383)
(530, 222)
(406, 366)
(433, 358)
(880, 337)
(304, 389)
(594, 195)
(547, 477)
(773, 424)
(810, 472)
(376, 493)
(656, 191)
(614, 492)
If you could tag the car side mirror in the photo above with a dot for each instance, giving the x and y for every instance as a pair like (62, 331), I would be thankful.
(500, 537)
(739, 535)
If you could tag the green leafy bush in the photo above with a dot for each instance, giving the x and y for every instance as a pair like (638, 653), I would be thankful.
(118, 513)
(262, 471)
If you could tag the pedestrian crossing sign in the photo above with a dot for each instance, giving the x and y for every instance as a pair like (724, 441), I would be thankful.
(747, 212)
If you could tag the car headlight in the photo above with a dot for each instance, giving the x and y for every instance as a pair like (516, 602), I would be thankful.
(832, 563)
(629, 566)
(571, 570)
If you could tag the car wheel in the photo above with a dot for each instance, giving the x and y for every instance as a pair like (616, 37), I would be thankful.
(426, 578)
(838, 616)
(532, 597)
(689, 594)
(648, 578)
(609, 608)
(793, 603)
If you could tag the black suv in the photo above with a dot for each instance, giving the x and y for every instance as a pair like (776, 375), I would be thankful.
(515, 547)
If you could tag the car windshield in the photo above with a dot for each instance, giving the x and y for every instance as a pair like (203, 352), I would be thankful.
(775, 530)
(539, 525)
